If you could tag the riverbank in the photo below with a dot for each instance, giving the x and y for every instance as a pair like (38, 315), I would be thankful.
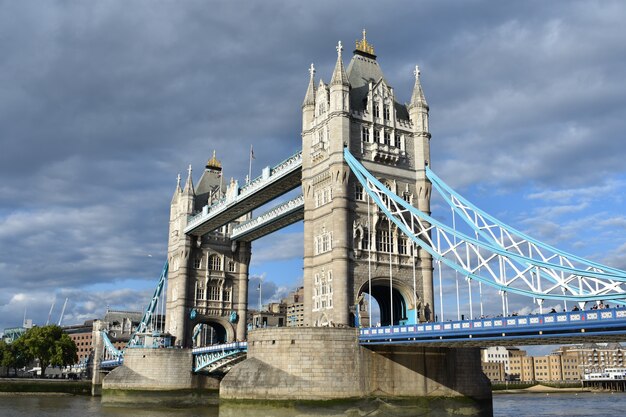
(48, 386)
(541, 389)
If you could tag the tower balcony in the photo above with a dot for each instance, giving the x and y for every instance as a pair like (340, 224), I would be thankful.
(384, 153)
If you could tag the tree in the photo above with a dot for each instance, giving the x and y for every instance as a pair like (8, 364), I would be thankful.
(15, 356)
(50, 346)
(3, 349)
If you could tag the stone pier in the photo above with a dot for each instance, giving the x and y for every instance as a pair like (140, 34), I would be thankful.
(328, 364)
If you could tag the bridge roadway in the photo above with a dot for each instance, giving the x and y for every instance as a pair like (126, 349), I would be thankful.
(543, 329)
(272, 183)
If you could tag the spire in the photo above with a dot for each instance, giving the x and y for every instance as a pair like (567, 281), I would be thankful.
(178, 190)
(417, 98)
(339, 74)
(309, 97)
(189, 183)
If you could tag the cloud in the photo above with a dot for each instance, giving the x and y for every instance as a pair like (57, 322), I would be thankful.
(104, 103)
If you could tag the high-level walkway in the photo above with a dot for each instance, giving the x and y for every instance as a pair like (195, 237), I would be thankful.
(272, 183)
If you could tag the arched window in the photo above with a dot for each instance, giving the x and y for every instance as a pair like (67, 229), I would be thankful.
(215, 263)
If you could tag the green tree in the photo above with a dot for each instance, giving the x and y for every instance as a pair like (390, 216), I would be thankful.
(50, 346)
(15, 356)
(3, 349)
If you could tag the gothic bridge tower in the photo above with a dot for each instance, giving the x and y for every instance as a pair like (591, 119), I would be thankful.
(345, 250)
(207, 289)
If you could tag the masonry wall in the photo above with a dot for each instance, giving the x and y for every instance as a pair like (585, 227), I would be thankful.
(156, 370)
(328, 363)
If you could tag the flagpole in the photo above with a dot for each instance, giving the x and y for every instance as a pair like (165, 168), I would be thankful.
(250, 167)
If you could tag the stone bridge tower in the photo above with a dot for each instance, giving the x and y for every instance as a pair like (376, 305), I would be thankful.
(344, 246)
(208, 275)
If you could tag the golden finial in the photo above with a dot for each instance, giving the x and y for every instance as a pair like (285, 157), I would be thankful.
(213, 163)
(364, 46)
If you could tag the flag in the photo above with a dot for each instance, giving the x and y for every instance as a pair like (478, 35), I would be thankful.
(252, 153)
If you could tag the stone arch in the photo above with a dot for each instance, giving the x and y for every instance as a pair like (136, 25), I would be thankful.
(405, 301)
(222, 330)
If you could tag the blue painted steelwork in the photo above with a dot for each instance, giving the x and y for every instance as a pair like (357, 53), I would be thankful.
(211, 358)
(108, 346)
(427, 226)
(574, 324)
(112, 363)
(147, 315)
(468, 209)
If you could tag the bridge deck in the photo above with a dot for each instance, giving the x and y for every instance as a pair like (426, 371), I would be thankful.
(554, 328)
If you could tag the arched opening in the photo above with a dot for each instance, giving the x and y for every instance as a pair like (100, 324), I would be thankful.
(206, 334)
(388, 307)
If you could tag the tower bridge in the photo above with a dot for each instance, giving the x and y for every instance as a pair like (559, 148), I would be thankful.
(366, 179)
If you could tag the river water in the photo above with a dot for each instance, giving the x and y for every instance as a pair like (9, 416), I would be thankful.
(516, 405)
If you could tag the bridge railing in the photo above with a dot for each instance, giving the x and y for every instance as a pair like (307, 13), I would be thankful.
(220, 347)
(274, 213)
(566, 321)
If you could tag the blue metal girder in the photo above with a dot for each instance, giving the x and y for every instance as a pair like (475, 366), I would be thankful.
(204, 357)
(574, 324)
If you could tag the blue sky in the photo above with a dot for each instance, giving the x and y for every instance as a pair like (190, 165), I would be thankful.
(102, 104)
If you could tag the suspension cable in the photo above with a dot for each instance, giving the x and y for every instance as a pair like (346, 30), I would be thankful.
(414, 285)
(369, 259)
(390, 273)
(456, 274)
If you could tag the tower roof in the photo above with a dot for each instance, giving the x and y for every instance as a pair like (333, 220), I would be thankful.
(189, 183)
(214, 163)
(362, 70)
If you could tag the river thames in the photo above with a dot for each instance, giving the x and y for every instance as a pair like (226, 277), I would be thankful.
(517, 405)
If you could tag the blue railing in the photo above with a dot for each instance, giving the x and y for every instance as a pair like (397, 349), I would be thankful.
(565, 324)
(221, 347)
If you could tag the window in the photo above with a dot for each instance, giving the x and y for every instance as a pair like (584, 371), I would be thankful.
(197, 262)
(200, 295)
(376, 136)
(387, 138)
(323, 242)
(366, 240)
(376, 110)
(215, 263)
(358, 192)
(365, 134)
(407, 197)
(213, 293)
(231, 266)
(227, 295)
(383, 241)
(403, 248)
(386, 112)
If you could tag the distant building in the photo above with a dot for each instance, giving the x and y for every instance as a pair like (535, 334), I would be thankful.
(294, 303)
(567, 363)
(81, 334)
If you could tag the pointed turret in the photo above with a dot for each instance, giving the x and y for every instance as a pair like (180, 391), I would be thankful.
(309, 97)
(188, 190)
(417, 98)
(308, 106)
(177, 190)
(339, 85)
(339, 74)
